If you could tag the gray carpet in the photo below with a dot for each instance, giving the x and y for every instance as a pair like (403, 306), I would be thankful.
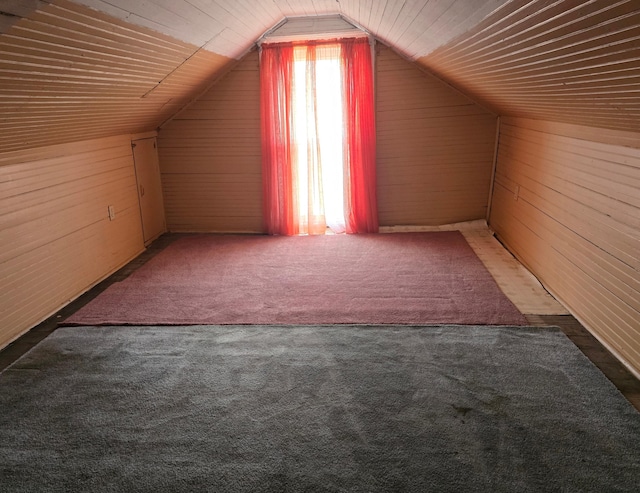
(275, 409)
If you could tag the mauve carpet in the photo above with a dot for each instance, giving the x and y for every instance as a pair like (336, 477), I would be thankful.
(313, 409)
(401, 278)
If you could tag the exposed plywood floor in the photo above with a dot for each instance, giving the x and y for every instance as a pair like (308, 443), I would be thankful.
(521, 287)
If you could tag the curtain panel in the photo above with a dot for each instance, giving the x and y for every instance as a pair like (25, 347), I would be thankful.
(361, 215)
(276, 101)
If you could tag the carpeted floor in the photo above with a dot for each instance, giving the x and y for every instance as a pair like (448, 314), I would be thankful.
(401, 278)
(316, 409)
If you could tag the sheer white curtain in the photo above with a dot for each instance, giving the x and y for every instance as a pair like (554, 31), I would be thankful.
(318, 138)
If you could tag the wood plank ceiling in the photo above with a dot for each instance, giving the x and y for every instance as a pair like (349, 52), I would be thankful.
(90, 68)
(571, 61)
(68, 73)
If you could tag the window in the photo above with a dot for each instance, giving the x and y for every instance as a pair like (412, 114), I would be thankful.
(318, 137)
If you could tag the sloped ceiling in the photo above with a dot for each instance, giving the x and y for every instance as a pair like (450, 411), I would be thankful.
(568, 61)
(229, 27)
(68, 73)
(87, 68)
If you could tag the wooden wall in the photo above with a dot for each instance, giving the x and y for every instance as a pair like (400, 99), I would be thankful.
(435, 152)
(210, 157)
(567, 203)
(56, 239)
(435, 148)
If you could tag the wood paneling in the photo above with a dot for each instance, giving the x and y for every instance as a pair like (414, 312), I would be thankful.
(56, 239)
(68, 73)
(435, 148)
(230, 27)
(435, 152)
(210, 157)
(569, 207)
(567, 61)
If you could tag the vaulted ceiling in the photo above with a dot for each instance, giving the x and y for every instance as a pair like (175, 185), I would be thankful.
(72, 70)
(229, 27)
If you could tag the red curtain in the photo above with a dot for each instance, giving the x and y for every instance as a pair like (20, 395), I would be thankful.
(361, 214)
(276, 80)
(278, 147)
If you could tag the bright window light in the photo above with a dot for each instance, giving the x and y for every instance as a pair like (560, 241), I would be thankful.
(319, 136)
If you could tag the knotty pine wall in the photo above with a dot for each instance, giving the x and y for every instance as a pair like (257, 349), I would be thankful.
(56, 239)
(435, 152)
(567, 203)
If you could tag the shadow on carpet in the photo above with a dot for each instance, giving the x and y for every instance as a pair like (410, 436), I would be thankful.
(318, 409)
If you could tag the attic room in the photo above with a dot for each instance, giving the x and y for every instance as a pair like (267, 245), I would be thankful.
(510, 128)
